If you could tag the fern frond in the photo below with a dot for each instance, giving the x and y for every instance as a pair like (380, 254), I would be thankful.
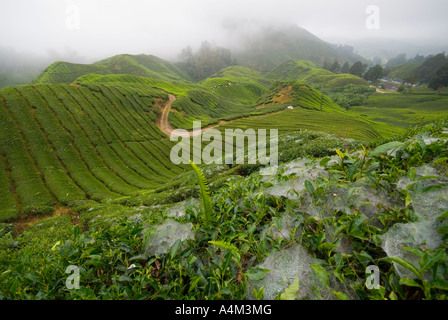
(206, 199)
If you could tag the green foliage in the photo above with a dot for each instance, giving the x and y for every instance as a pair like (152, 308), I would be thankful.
(429, 68)
(290, 292)
(349, 95)
(404, 71)
(374, 73)
(206, 200)
(207, 61)
(357, 69)
(94, 146)
(440, 79)
(65, 143)
(222, 260)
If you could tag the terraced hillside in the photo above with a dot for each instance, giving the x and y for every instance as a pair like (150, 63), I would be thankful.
(310, 73)
(62, 143)
(139, 65)
(311, 111)
(93, 137)
(234, 92)
(423, 105)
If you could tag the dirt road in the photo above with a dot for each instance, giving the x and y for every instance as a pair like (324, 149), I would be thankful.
(164, 125)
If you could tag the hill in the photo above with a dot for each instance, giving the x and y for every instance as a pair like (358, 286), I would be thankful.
(139, 65)
(404, 71)
(421, 72)
(271, 46)
(61, 144)
(95, 138)
(310, 73)
(210, 101)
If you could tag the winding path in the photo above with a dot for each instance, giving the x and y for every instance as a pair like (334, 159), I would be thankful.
(164, 125)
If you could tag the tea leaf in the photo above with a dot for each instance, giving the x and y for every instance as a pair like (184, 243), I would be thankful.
(439, 284)
(174, 248)
(292, 291)
(405, 264)
(340, 154)
(322, 274)
(409, 282)
(386, 148)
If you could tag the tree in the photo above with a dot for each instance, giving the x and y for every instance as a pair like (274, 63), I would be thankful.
(430, 67)
(418, 59)
(327, 65)
(377, 60)
(187, 60)
(345, 68)
(374, 73)
(400, 59)
(357, 69)
(440, 80)
(410, 82)
(208, 60)
(335, 67)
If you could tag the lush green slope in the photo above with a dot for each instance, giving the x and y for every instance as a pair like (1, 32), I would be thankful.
(345, 125)
(238, 92)
(96, 138)
(140, 65)
(310, 73)
(60, 72)
(209, 101)
(63, 143)
(404, 110)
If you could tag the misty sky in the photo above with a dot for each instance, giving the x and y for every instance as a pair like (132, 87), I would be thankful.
(100, 28)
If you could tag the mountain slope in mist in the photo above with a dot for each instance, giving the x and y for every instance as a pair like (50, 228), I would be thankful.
(272, 46)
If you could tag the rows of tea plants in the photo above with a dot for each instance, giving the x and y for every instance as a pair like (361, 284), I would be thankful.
(62, 143)
(242, 240)
(60, 72)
